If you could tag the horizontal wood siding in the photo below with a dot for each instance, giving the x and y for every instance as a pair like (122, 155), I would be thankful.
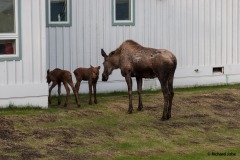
(199, 32)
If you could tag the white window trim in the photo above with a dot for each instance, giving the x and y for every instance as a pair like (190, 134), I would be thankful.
(58, 23)
(17, 50)
(123, 22)
(13, 36)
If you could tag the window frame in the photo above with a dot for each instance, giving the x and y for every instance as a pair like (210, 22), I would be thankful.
(14, 36)
(123, 22)
(68, 23)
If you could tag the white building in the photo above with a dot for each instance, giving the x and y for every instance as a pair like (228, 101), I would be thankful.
(23, 53)
(203, 34)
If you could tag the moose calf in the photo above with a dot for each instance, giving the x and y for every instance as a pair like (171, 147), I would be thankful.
(90, 75)
(57, 76)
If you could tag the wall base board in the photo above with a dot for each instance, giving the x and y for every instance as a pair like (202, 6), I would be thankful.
(34, 95)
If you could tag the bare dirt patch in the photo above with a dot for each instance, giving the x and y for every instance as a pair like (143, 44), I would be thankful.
(6, 128)
(86, 113)
(45, 118)
(7, 131)
(10, 137)
(25, 152)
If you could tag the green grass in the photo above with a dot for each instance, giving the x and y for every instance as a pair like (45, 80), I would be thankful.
(205, 120)
(208, 88)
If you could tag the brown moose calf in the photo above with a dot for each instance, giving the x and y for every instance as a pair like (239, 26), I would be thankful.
(57, 76)
(90, 75)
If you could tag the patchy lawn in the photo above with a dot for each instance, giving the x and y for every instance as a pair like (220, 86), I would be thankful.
(205, 124)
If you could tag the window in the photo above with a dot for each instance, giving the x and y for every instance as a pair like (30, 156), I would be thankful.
(9, 30)
(58, 13)
(218, 70)
(123, 12)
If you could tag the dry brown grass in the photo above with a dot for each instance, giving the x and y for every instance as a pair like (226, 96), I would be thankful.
(203, 121)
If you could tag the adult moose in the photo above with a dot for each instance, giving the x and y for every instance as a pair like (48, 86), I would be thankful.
(137, 61)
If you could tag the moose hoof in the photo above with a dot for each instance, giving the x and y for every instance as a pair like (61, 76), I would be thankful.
(140, 108)
(95, 102)
(130, 111)
(59, 103)
(90, 103)
(65, 105)
(79, 105)
(164, 118)
(168, 116)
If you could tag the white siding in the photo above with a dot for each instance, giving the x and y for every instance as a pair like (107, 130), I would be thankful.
(23, 82)
(202, 33)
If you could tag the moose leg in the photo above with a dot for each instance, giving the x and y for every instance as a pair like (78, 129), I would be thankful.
(166, 96)
(59, 92)
(170, 87)
(68, 92)
(77, 85)
(139, 88)
(75, 92)
(129, 83)
(50, 90)
(90, 92)
(95, 92)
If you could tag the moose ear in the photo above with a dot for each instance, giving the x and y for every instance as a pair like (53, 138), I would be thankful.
(48, 71)
(91, 66)
(99, 67)
(103, 53)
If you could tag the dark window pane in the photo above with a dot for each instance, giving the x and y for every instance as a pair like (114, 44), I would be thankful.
(58, 10)
(7, 24)
(7, 47)
(123, 10)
